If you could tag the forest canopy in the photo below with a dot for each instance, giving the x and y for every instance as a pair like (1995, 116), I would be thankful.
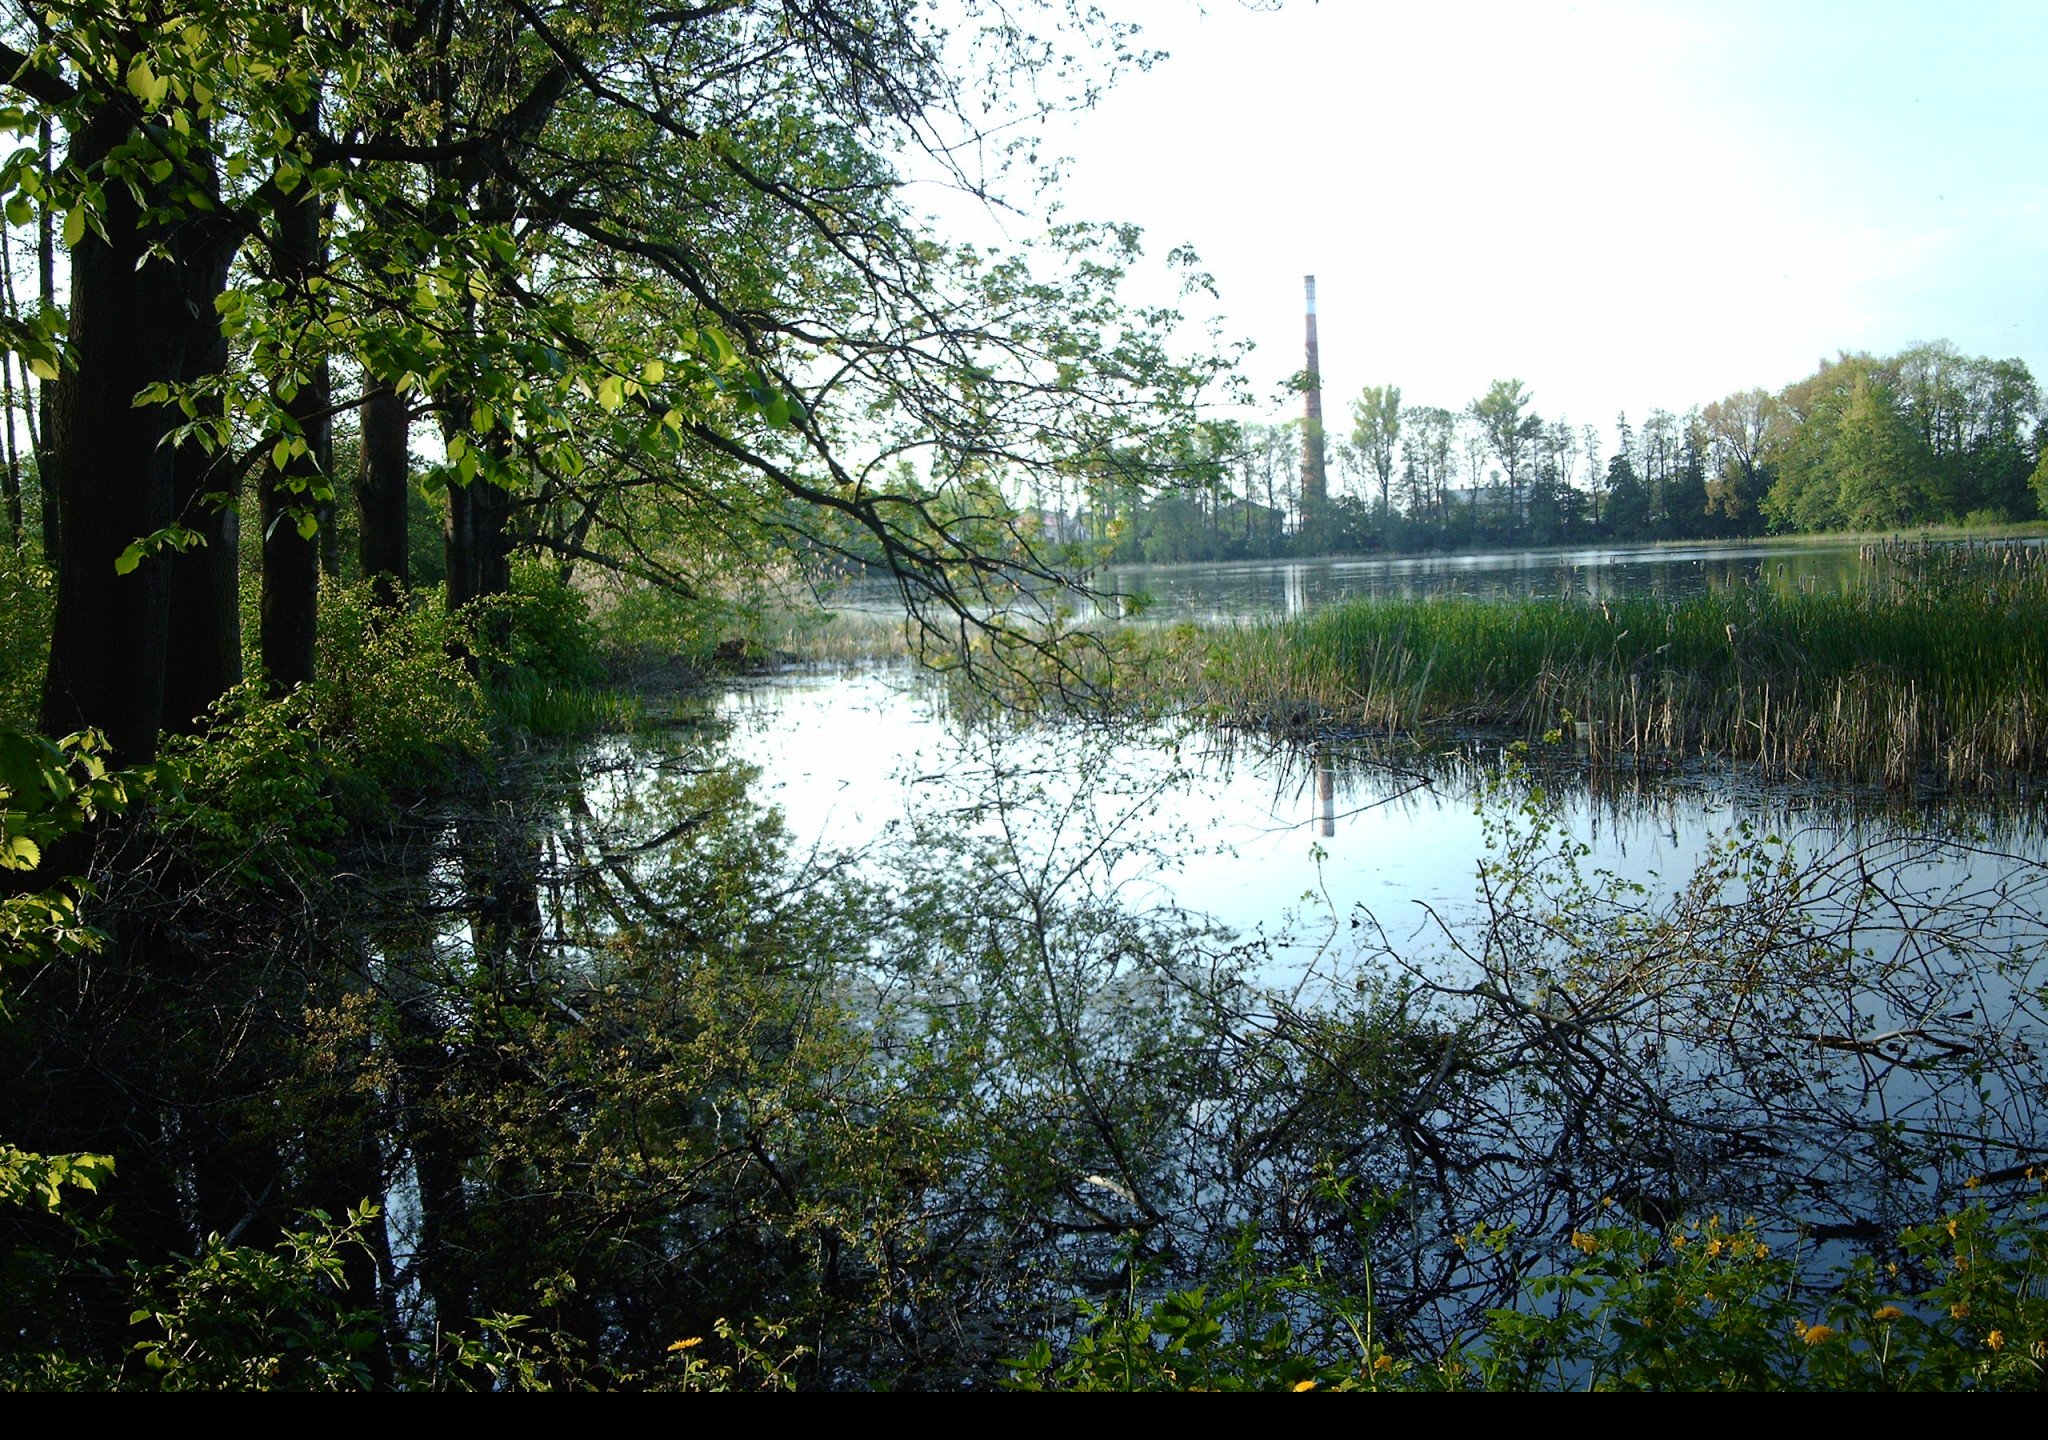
(627, 287)
(1929, 436)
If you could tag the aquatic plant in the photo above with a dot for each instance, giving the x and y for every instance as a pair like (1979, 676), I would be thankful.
(1934, 669)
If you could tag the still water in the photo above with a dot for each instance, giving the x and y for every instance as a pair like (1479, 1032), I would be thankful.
(1249, 590)
(1340, 863)
(1263, 589)
(1245, 828)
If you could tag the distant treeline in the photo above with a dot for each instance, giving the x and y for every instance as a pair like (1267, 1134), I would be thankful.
(1927, 436)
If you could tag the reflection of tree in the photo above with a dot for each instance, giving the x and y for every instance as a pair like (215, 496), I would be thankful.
(609, 1056)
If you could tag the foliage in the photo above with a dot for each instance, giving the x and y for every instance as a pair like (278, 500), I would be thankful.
(238, 1318)
(26, 592)
(1702, 1306)
(38, 1181)
(49, 791)
(392, 710)
(1706, 1306)
(541, 659)
(393, 701)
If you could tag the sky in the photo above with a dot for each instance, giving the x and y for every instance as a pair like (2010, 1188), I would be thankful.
(1625, 205)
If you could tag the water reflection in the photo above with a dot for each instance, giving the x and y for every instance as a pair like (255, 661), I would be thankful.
(1239, 590)
(1249, 590)
(1670, 993)
(1522, 1051)
(1250, 823)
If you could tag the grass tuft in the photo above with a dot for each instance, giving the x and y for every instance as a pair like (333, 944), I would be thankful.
(1937, 667)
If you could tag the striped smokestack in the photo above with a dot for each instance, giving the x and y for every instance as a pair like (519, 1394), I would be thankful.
(1315, 486)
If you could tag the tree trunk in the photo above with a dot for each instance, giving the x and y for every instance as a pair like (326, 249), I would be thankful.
(291, 559)
(205, 641)
(384, 493)
(129, 327)
(477, 544)
(46, 291)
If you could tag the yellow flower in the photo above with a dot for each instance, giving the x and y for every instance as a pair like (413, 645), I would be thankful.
(1383, 1362)
(1584, 1242)
(1713, 1247)
(1973, 1182)
(686, 1344)
(1995, 1340)
(1958, 1310)
(1607, 1202)
(1889, 1312)
(1301, 1385)
(1677, 1242)
(1816, 1334)
(1951, 1229)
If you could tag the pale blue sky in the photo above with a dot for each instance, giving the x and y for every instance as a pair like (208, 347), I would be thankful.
(1625, 204)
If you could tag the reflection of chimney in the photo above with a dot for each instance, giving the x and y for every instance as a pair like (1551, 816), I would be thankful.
(1315, 488)
(1326, 792)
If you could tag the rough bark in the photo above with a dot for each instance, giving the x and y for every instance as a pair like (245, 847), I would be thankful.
(129, 329)
(477, 541)
(204, 657)
(383, 494)
(291, 559)
(46, 291)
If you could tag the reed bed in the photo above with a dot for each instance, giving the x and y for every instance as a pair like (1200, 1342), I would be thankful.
(1936, 669)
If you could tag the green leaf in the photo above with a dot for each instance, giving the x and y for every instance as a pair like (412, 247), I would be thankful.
(142, 81)
(74, 226)
(126, 562)
(309, 525)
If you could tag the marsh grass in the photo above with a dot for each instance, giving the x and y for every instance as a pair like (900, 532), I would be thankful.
(1936, 668)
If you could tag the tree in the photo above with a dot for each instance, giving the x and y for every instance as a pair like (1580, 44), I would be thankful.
(1376, 416)
(1740, 429)
(1627, 510)
(1510, 431)
(648, 272)
(1879, 463)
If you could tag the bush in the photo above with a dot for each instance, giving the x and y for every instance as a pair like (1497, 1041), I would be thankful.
(27, 600)
(1701, 1306)
(539, 651)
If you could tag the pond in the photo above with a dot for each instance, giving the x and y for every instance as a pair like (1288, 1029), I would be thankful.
(1509, 988)
(1877, 1055)
(1235, 591)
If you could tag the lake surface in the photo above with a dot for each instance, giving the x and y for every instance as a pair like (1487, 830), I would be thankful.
(1244, 590)
(1344, 866)
(1252, 590)
(1280, 842)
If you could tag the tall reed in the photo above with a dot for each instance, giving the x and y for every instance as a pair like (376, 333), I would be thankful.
(1937, 667)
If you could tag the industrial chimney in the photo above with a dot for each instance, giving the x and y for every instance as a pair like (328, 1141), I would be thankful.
(1315, 485)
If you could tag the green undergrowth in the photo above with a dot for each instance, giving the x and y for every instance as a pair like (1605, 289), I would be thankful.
(545, 675)
(27, 599)
(1704, 1305)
